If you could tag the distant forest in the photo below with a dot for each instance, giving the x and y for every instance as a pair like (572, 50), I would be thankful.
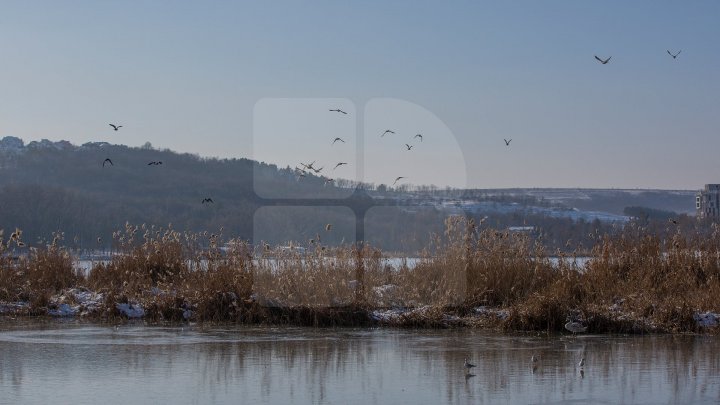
(47, 187)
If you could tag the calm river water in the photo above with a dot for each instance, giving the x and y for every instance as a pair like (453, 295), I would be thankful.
(71, 362)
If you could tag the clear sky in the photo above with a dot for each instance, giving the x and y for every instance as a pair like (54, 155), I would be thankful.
(204, 77)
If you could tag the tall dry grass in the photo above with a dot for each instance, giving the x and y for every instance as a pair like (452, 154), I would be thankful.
(635, 281)
(35, 277)
(173, 272)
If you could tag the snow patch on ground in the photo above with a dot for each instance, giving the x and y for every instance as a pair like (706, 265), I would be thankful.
(14, 307)
(63, 310)
(131, 310)
(492, 312)
(707, 320)
(75, 301)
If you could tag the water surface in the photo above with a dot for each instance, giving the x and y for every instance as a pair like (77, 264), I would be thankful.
(73, 362)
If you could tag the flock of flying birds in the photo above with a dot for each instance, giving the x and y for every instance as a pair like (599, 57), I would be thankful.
(308, 168)
(605, 61)
(109, 161)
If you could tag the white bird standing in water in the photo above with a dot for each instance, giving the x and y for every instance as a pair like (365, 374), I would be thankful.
(575, 327)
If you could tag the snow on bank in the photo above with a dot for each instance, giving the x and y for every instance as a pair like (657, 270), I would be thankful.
(81, 302)
(707, 320)
(75, 301)
(14, 307)
(492, 312)
(397, 314)
(131, 310)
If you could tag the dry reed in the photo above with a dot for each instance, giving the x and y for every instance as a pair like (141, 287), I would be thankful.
(634, 282)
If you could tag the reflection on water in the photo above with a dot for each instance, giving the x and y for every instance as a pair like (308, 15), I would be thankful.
(68, 362)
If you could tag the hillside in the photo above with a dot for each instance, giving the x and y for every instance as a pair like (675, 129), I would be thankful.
(50, 186)
(56, 186)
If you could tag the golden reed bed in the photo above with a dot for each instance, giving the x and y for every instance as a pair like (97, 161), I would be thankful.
(470, 276)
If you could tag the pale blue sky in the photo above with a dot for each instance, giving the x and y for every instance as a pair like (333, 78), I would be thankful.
(187, 76)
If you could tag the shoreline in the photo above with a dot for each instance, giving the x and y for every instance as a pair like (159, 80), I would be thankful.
(84, 305)
(633, 282)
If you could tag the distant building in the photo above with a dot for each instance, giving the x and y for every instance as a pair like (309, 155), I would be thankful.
(707, 202)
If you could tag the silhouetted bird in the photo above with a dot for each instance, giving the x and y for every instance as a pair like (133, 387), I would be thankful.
(409, 146)
(338, 139)
(328, 180)
(468, 365)
(208, 200)
(308, 166)
(507, 141)
(328, 227)
(387, 131)
(674, 56)
(115, 127)
(339, 164)
(397, 179)
(108, 161)
(155, 163)
(604, 62)
(418, 136)
(339, 110)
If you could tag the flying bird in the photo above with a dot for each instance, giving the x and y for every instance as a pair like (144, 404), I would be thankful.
(604, 62)
(674, 56)
(108, 161)
(328, 180)
(337, 139)
(339, 164)
(328, 227)
(155, 163)
(396, 180)
(208, 200)
(468, 365)
(339, 111)
(409, 146)
(418, 136)
(308, 166)
(387, 131)
(115, 127)
(507, 141)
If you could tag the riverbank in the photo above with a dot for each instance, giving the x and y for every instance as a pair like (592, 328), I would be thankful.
(468, 277)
